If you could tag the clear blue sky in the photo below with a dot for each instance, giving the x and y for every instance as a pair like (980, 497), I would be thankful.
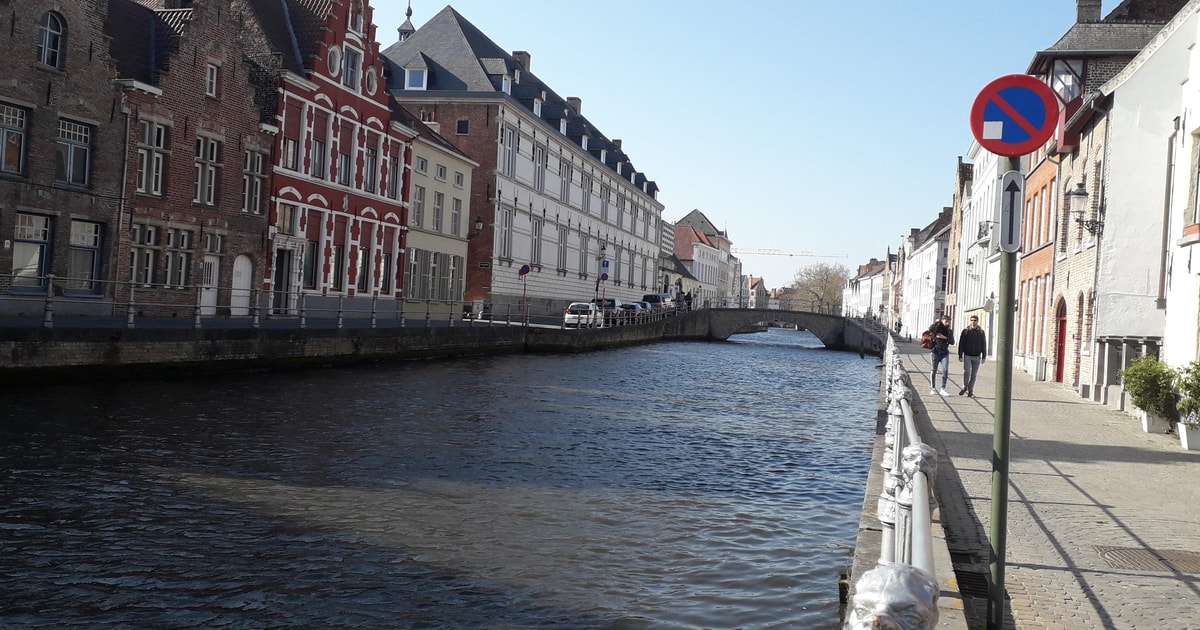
(828, 127)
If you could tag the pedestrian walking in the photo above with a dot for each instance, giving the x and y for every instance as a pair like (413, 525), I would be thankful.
(943, 336)
(972, 351)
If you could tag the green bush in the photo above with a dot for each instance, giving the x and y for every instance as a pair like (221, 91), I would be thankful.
(1187, 381)
(1151, 384)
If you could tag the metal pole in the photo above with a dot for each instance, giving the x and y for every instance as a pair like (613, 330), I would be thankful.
(1001, 428)
(374, 309)
(199, 298)
(130, 311)
(48, 308)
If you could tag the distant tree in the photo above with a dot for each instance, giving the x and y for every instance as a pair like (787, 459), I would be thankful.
(818, 287)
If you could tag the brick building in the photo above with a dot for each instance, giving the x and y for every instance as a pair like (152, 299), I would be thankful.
(337, 212)
(61, 138)
(198, 157)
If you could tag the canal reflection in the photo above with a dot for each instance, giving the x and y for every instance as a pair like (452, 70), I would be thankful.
(677, 485)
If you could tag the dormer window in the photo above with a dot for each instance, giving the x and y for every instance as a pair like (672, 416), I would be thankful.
(537, 107)
(583, 143)
(415, 78)
(506, 85)
(562, 126)
(1067, 79)
(517, 75)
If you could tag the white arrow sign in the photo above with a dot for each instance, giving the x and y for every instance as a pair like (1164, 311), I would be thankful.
(1012, 199)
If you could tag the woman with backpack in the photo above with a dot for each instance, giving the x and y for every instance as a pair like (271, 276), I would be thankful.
(941, 337)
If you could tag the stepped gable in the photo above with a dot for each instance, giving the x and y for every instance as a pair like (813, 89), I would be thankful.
(1158, 11)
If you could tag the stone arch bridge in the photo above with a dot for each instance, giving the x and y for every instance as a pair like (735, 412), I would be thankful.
(835, 331)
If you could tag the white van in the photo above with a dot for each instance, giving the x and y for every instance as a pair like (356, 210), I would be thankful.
(660, 301)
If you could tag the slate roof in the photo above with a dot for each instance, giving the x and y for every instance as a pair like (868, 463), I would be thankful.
(1123, 32)
(143, 36)
(275, 18)
(461, 58)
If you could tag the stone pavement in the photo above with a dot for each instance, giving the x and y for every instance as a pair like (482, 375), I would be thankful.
(1103, 519)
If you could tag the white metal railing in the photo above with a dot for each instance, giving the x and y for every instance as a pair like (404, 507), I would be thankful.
(904, 576)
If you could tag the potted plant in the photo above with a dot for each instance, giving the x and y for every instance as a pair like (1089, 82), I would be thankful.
(1187, 381)
(1151, 386)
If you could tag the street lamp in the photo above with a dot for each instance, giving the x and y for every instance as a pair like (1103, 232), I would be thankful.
(478, 228)
(1077, 204)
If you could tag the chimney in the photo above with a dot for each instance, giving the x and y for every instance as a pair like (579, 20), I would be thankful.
(522, 58)
(1087, 11)
(575, 103)
(617, 143)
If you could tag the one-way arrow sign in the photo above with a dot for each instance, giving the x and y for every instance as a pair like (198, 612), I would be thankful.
(1012, 199)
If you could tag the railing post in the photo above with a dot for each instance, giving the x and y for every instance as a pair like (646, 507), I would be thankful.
(130, 310)
(401, 306)
(341, 308)
(428, 315)
(909, 588)
(374, 309)
(915, 458)
(302, 299)
(451, 303)
(48, 308)
(508, 319)
(254, 308)
(196, 320)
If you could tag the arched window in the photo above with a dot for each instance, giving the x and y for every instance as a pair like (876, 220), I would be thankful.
(51, 37)
(356, 16)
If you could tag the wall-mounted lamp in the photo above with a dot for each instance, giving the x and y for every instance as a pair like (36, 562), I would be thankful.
(478, 228)
(1077, 204)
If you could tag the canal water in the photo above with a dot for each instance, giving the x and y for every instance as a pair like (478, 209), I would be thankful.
(676, 485)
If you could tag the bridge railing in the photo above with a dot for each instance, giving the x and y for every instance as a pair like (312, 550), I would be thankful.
(905, 572)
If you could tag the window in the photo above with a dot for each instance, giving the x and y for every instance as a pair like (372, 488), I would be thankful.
(440, 173)
(152, 154)
(463, 127)
(338, 267)
(286, 221)
(562, 248)
(318, 160)
(385, 282)
(438, 200)
(537, 107)
(179, 257)
(310, 265)
(418, 206)
(364, 273)
(212, 80)
(605, 201)
(535, 255)
(458, 179)
(422, 165)
(506, 85)
(585, 182)
(73, 153)
(254, 176)
(456, 217)
(414, 78)
(31, 250)
(370, 170)
(291, 154)
(208, 162)
(356, 16)
(584, 255)
(83, 265)
(506, 233)
(393, 177)
(51, 32)
(510, 151)
(350, 63)
(144, 240)
(12, 139)
(1067, 79)
(567, 173)
(214, 243)
(540, 161)
(344, 169)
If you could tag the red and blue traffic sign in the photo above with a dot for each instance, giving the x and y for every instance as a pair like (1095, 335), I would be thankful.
(1014, 115)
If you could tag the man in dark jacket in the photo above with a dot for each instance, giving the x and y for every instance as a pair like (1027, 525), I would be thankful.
(940, 354)
(972, 351)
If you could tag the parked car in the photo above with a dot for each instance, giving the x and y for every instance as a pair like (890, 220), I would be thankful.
(647, 308)
(583, 315)
(660, 301)
(611, 307)
(633, 312)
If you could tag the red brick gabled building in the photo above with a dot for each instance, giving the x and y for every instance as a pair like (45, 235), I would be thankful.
(195, 219)
(336, 211)
(61, 131)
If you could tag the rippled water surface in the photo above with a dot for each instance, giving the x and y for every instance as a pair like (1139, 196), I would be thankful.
(678, 485)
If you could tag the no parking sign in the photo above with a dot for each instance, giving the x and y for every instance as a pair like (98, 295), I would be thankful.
(1014, 115)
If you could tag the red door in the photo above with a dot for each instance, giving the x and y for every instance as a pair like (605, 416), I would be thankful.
(1060, 345)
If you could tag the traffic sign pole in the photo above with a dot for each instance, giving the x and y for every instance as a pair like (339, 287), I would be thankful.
(1012, 116)
(1002, 423)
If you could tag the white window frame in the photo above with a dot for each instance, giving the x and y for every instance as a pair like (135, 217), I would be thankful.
(144, 244)
(212, 80)
(416, 79)
(208, 170)
(351, 68)
(456, 206)
(439, 200)
(418, 207)
(51, 40)
(254, 177)
(535, 241)
(74, 145)
(152, 156)
(179, 257)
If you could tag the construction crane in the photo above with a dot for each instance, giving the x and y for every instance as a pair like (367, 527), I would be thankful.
(780, 252)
